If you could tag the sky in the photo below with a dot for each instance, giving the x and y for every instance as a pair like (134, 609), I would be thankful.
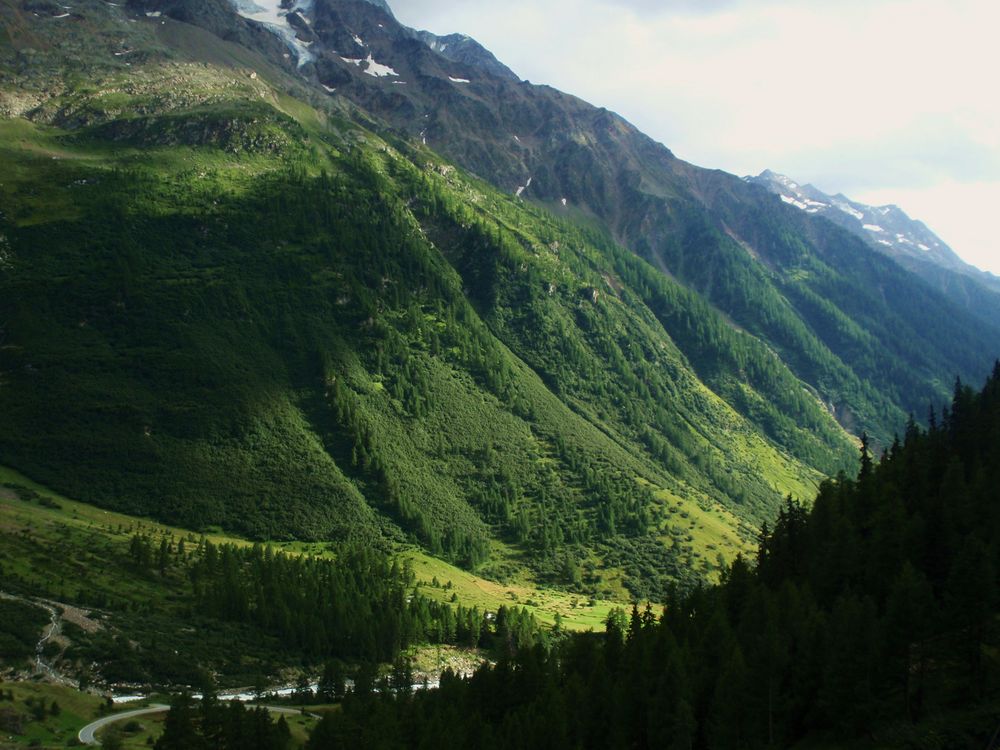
(887, 101)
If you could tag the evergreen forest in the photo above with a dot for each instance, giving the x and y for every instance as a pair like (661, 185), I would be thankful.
(333, 352)
(868, 619)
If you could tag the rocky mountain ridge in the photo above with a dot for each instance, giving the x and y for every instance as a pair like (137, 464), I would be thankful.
(888, 228)
(890, 231)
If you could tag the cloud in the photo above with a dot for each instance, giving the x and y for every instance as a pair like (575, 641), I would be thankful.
(927, 154)
(673, 7)
(863, 96)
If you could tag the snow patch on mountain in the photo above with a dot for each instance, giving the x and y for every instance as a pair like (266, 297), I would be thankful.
(885, 228)
(270, 14)
(849, 210)
(793, 202)
(374, 69)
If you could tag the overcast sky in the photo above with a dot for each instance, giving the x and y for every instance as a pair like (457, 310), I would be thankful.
(887, 101)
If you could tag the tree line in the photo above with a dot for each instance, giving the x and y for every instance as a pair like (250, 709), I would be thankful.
(362, 606)
(213, 725)
(864, 617)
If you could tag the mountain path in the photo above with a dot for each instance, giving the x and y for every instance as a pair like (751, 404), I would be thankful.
(88, 735)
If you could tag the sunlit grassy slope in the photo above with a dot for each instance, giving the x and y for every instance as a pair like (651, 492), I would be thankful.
(421, 415)
(45, 730)
(93, 542)
(226, 304)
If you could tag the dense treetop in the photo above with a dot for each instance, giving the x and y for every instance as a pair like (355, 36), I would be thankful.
(871, 615)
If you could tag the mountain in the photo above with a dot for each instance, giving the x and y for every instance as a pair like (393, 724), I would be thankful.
(467, 52)
(890, 231)
(296, 273)
(708, 230)
(227, 306)
(896, 234)
(865, 623)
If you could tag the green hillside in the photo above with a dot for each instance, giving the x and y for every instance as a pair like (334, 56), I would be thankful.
(866, 621)
(270, 360)
(228, 301)
(872, 341)
(226, 307)
(140, 601)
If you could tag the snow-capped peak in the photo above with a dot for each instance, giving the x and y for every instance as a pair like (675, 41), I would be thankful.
(886, 228)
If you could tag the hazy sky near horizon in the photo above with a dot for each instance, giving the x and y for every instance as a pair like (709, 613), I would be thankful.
(887, 101)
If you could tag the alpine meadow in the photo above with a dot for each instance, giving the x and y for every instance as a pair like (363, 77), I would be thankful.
(345, 373)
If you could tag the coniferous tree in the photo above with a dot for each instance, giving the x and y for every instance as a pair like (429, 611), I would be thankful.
(179, 731)
(877, 606)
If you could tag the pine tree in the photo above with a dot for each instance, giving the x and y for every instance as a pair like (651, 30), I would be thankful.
(179, 732)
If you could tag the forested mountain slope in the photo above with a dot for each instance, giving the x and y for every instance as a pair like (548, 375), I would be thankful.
(141, 603)
(869, 621)
(888, 230)
(225, 306)
(875, 343)
(232, 297)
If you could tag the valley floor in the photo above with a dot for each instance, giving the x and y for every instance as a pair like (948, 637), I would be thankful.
(45, 715)
(81, 598)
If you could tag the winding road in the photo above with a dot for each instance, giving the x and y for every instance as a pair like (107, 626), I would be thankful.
(88, 735)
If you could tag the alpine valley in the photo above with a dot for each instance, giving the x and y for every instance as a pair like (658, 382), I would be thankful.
(326, 343)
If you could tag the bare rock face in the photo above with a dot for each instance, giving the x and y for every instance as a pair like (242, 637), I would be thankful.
(18, 104)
